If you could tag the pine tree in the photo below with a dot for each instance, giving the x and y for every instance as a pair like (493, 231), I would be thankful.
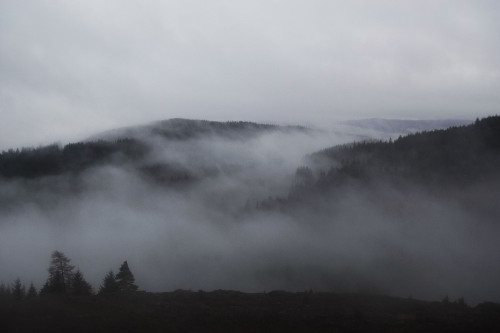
(18, 290)
(80, 287)
(32, 293)
(125, 279)
(110, 285)
(60, 275)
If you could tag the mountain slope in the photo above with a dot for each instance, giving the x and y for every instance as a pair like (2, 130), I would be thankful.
(417, 216)
(401, 126)
(184, 129)
(459, 165)
(129, 145)
(452, 156)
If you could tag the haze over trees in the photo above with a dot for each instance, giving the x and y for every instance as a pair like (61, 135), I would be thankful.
(79, 286)
(208, 205)
(119, 306)
(109, 285)
(125, 279)
(436, 160)
(64, 281)
(123, 282)
(60, 275)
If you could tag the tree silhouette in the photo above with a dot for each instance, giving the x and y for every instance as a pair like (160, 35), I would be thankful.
(80, 287)
(125, 279)
(18, 290)
(32, 293)
(110, 285)
(60, 275)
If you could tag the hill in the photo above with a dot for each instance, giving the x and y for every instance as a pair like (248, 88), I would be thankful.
(184, 129)
(435, 160)
(128, 146)
(223, 206)
(402, 126)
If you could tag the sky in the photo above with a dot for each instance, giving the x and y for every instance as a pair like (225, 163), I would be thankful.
(70, 69)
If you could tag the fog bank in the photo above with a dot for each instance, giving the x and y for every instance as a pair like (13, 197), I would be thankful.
(207, 234)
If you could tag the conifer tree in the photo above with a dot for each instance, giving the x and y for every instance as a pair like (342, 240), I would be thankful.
(60, 275)
(110, 285)
(79, 286)
(18, 290)
(32, 293)
(125, 279)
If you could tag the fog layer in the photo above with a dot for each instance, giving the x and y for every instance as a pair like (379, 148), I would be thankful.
(208, 233)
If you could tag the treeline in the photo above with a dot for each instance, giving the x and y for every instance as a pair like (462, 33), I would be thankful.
(64, 280)
(182, 129)
(53, 160)
(456, 154)
(453, 155)
(434, 159)
(33, 163)
(74, 157)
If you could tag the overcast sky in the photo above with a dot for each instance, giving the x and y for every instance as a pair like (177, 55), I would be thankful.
(69, 69)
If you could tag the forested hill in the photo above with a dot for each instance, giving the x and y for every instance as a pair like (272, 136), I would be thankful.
(183, 129)
(439, 158)
(128, 145)
(405, 126)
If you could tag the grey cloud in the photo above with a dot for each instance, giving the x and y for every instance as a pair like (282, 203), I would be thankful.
(73, 68)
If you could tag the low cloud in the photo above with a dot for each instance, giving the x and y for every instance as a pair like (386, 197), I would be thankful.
(399, 241)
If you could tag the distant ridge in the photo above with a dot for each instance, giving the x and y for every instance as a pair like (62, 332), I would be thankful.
(403, 126)
(181, 129)
(127, 145)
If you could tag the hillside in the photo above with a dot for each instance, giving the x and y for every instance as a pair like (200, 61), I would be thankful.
(129, 146)
(401, 126)
(184, 129)
(457, 154)
(435, 160)
(241, 206)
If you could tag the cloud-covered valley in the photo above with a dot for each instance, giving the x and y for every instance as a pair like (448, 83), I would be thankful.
(209, 230)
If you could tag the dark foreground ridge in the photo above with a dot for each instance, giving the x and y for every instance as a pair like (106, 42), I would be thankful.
(230, 311)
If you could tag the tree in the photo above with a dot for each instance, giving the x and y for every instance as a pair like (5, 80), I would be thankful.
(80, 287)
(32, 293)
(60, 275)
(110, 285)
(18, 290)
(125, 279)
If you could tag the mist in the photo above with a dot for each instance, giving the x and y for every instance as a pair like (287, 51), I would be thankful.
(209, 234)
(111, 212)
